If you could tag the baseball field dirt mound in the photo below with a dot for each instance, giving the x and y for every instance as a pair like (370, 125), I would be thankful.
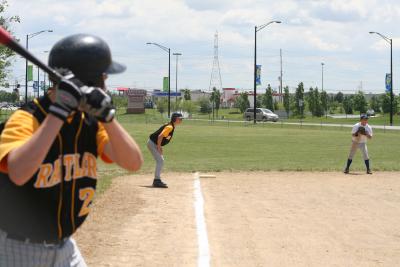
(252, 219)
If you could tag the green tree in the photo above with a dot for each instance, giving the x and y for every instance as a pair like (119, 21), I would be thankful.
(189, 107)
(310, 98)
(375, 103)
(319, 110)
(385, 102)
(286, 100)
(299, 100)
(186, 94)
(119, 101)
(205, 105)
(339, 97)
(5, 53)
(324, 102)
(359, 102)
(8, 97)
(242, 102)
(268, 101)
(276, 105)
(162, 105)
(259, 100)
(215, 99)
(333, 107)
(348, 104)
(176, 105)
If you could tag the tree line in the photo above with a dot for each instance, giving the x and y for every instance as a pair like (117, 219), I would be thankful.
(319, 103)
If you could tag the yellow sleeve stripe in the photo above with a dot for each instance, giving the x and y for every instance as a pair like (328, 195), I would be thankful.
(18, 130)
(101, 140)
(167, 130)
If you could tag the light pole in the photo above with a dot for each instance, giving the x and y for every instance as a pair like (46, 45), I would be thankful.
(256, 29)
(38, 82)
(168, 50)
(176, 76)
(390, 41)
(29, 36)
(322, 65)
(44, 78)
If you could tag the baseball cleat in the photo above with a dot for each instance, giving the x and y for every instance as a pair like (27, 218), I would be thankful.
(346, 171)
(369, 171)
(159, 184)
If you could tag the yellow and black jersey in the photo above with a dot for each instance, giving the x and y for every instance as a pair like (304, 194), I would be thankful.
(57, 199)
(167, 131)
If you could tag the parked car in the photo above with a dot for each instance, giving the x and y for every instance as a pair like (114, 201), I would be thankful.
(262, 114)
(371, 112)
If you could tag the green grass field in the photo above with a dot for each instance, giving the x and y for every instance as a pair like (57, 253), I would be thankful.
(201, 146)
(230, 146)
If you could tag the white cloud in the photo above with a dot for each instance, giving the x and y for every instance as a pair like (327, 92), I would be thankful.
(333, 30)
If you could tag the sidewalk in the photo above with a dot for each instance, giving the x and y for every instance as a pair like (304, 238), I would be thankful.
(384, 127)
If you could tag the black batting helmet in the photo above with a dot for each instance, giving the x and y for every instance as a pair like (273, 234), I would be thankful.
(87, 56)
(175, 116)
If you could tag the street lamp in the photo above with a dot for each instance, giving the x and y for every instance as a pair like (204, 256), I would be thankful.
(29, 36)
(44, 77)
(322, 65)
(168, 50)
(326, 111)
(176, 76)
(390, 41)
(256, 29)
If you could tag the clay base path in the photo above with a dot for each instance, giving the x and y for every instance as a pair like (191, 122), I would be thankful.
(252, 219)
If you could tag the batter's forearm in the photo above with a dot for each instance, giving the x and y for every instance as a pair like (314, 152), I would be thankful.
(123, 148)
(25, 160)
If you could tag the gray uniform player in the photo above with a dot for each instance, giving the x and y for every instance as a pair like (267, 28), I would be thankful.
(361, 132)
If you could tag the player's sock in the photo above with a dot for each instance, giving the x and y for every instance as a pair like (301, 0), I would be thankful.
(367, 164)
(349, 161)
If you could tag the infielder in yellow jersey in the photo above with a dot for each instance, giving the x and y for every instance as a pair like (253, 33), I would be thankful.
(360, 133)
(157, 140)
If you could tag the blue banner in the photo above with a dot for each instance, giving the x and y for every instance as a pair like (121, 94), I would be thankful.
(258, 74)
(388, 82)
(166, 94)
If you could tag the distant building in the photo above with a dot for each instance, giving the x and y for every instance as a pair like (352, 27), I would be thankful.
(228, 97)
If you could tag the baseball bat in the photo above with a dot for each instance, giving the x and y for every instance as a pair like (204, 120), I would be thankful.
(7, 40)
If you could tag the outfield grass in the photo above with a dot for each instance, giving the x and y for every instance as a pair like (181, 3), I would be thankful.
(200, 146)
(235, 115)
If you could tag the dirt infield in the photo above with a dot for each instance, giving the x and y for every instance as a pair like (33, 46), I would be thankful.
(252, 219)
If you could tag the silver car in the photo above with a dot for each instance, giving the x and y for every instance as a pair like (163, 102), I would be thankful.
(262, 114)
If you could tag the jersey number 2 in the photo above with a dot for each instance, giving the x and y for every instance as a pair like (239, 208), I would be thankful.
(86, 195)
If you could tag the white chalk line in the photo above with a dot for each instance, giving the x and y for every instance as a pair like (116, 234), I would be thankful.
(202, 236)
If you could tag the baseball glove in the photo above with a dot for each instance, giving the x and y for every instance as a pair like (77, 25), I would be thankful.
(361, 130)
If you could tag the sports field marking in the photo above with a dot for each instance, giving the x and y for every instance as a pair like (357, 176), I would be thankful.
(202, 236)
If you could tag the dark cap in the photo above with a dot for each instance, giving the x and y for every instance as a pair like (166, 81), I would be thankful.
(364, 117)
(175, 116)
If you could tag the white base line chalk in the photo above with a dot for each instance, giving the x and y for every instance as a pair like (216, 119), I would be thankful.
(202, 237)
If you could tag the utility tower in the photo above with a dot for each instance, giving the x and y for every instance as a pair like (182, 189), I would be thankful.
(215, 80)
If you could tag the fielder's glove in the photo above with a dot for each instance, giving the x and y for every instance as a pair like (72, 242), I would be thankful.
(97, 103)
(68, 97)
(361, 130)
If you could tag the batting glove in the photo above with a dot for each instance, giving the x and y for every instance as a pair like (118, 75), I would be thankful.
(97, 103)
(68, 97)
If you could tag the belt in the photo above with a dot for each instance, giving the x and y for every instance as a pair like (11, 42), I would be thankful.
(47, 243)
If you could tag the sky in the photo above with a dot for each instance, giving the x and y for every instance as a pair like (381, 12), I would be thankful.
(333, 32)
